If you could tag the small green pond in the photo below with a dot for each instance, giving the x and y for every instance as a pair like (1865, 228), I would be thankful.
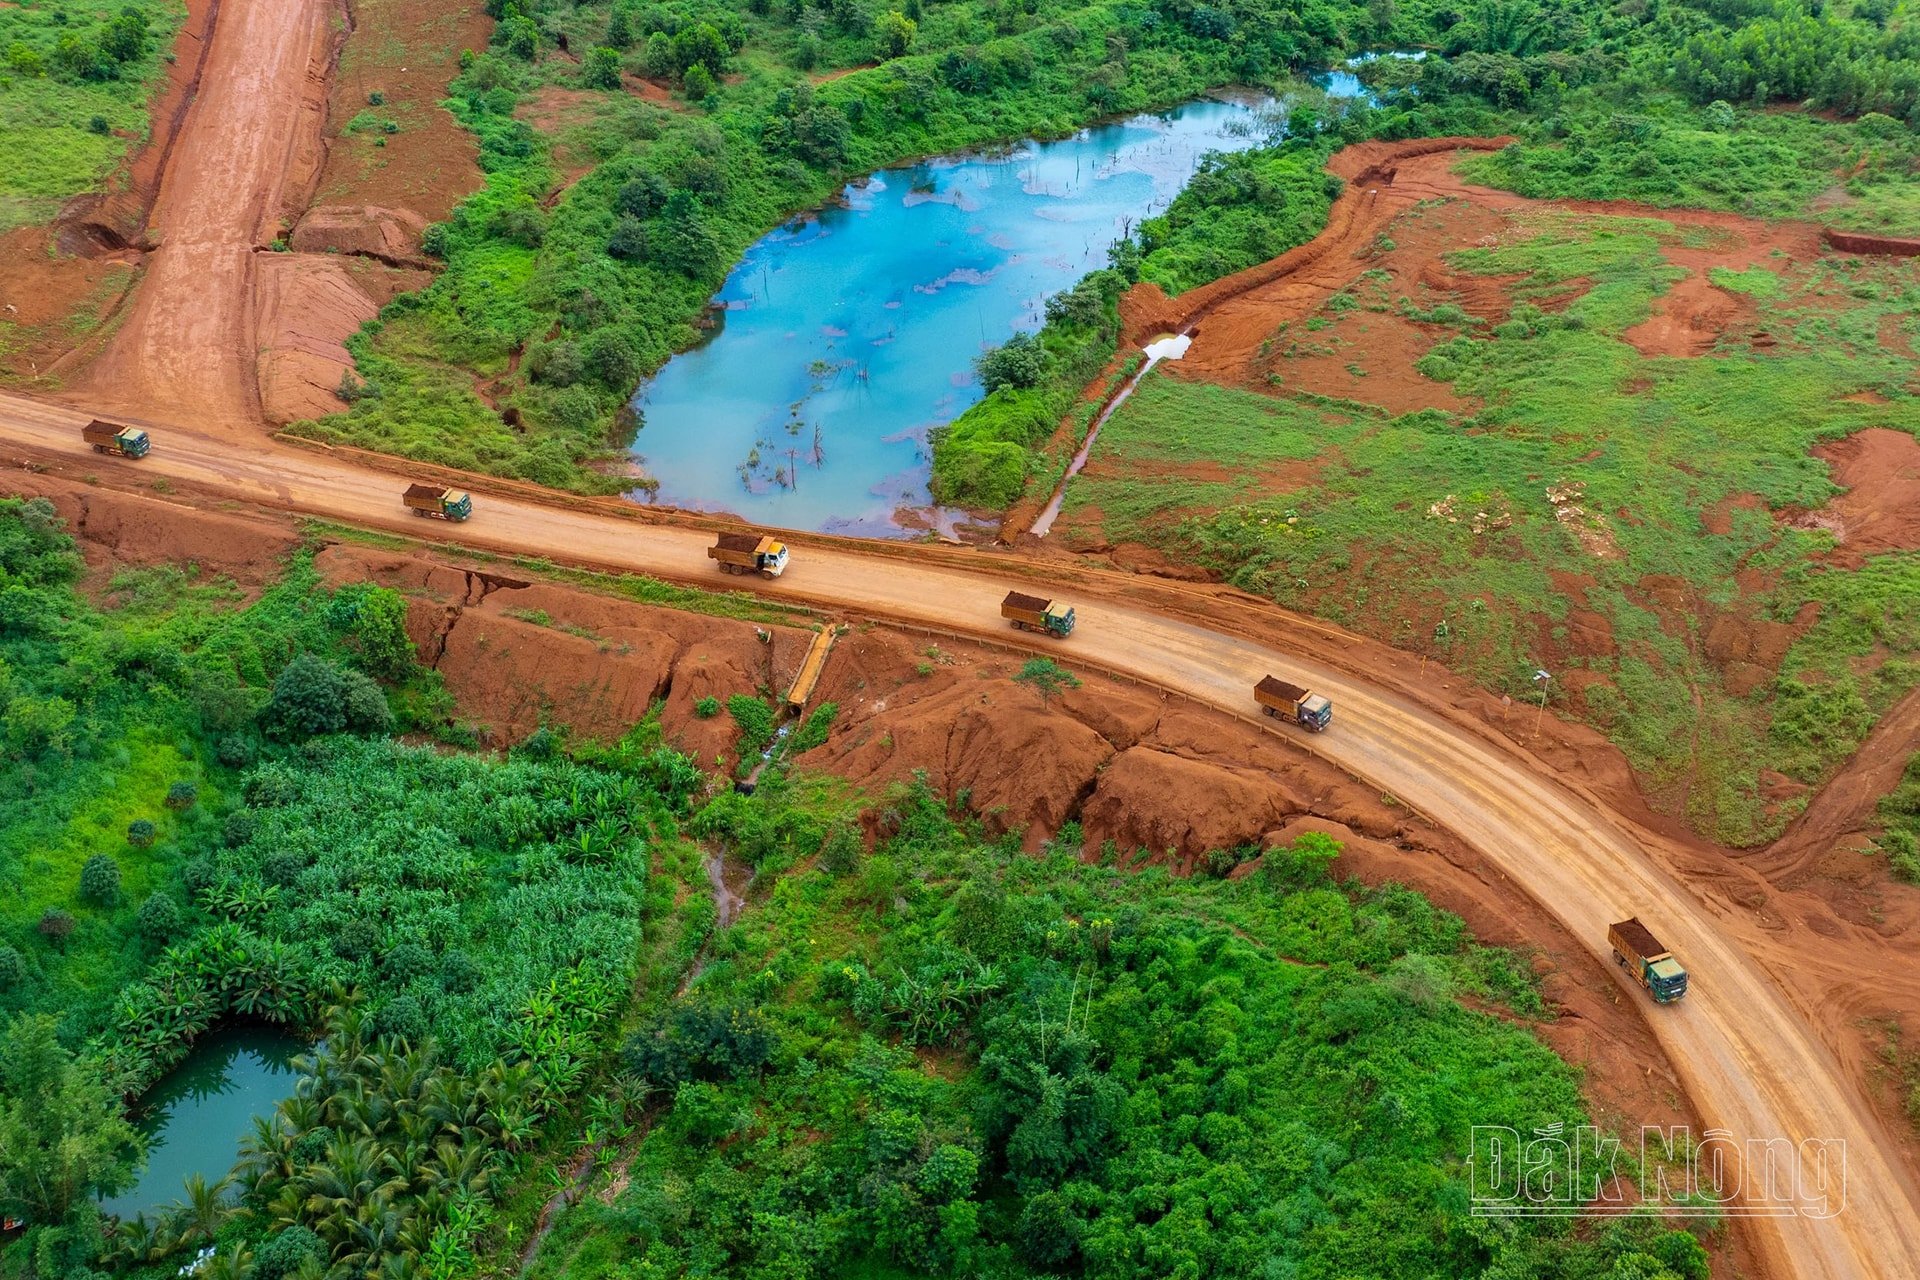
(195, 1117)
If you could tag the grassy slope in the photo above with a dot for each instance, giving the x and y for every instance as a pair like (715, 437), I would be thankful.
(46, 121)
(1656, 442)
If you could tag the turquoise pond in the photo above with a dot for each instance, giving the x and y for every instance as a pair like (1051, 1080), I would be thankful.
(847, 336)
(195, 1117)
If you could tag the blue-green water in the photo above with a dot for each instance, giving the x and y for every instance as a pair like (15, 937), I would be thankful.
(848, 336)
(196, 1115)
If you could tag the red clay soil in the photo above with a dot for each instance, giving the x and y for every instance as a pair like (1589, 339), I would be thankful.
(1232, 317)
(407, 51)
(554, 111)
(1689, 318)
(247, 153)
(1858, 242)
(1880, 511)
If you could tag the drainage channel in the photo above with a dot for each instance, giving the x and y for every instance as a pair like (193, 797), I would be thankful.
(1171, 347)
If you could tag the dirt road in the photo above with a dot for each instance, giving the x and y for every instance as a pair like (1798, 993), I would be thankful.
(1753, 1066)
(187, 346)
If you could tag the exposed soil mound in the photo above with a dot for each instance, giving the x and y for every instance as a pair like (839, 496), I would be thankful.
(308, 306)
(1857, 242)
(1689, 318)
(1880, 510)
(391, 235)
(1130, 766)
(516, 655)
(116, 530)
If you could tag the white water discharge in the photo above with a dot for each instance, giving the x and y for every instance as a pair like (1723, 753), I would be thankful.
(1171, 347)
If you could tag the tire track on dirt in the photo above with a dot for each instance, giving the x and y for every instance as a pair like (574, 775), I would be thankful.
(186, 346)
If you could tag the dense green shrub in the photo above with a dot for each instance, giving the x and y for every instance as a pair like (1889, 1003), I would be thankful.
(56, 926)
(141, 832)
(159, 918)
(285, 1252)
(100, 881)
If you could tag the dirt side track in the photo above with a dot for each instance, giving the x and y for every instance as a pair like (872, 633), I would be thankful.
(1745, 1041)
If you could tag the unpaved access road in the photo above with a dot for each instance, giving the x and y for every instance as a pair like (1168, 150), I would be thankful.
(1751, 1064)
(251, 137)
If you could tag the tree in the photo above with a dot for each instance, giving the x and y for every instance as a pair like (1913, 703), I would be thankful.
(141, 832)
(56, 926)
(63, 1138)
(125, 37)
(642, 195)
(181, 796)
(679, 239)
(520, 37)
(602, 68)
(699, 45)
(893, 32)
(100, 880)
(159, 918)
(366, 707)
(620, 28)
(698, 83)
(1019, 363)
(629, 239)
(13, 968)
(1047, 677)
(380, 627)
(310, 697)
(285, 1251)
(613, 360)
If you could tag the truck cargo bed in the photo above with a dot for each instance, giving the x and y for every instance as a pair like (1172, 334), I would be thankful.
(1638, 938)
(1274, 690)
(744, 543)
(1025, 603)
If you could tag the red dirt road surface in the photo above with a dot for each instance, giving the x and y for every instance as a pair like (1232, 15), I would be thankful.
(1747, 1042)
(186, 346)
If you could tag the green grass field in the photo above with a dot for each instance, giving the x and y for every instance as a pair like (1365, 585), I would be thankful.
(64, 128)
(1565, 523)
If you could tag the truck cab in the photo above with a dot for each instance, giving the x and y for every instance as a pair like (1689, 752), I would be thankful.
(1316, 713)
(1038, 613)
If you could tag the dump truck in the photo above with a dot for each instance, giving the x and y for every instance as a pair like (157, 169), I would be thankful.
(438, 501)
(111, 437)
(1286, 701)
(750, 553)
(1037, 613)
(1637, 951)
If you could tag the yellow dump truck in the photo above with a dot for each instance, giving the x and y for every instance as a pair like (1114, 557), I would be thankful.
(438, 502)
(750, 553)
(111, 437)
(1037, 613)
(1286, 701)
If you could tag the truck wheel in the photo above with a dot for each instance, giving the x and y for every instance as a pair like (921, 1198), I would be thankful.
(768, 574)
(99, 448)
(1619, 959)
